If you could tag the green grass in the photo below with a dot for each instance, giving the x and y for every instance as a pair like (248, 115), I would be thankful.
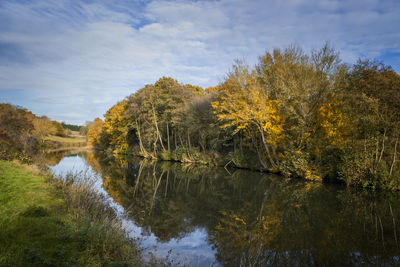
(46, 222)
(20, 189)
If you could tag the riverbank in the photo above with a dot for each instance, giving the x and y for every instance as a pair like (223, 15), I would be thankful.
(47, 222)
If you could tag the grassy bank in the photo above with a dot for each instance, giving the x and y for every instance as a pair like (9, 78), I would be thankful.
(64, 142)
(66, 139)
(48, 222)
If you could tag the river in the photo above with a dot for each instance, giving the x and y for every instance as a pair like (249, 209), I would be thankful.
(201, 216)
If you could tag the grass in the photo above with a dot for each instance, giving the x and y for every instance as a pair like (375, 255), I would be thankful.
(48, 222)
(58, 142)
(19, 187)
(68, 139)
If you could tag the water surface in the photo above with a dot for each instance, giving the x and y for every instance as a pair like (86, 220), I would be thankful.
(206, 216)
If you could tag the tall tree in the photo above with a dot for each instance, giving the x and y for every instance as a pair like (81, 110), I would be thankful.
(115, 127)
(242, 103)
(95, 132)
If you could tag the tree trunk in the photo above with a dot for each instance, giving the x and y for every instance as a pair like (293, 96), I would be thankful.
(394, 157)
(190, 146)
(158, 131)
(142, 149)
(266, 146)
(383, 146)
(166, 185)
(155, 191)
(180, 139)
(275, 155)
(263, 164)
(138, 177)
(169, 148)
(174, 137)
(376, 155)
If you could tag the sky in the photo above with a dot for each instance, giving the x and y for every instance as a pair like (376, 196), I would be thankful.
(73, 60)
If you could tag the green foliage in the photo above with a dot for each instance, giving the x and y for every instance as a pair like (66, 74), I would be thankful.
(296, 164)
(166, 155)
(371, 100)
(71, 127)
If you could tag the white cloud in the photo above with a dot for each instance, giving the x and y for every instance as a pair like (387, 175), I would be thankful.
(85, 57)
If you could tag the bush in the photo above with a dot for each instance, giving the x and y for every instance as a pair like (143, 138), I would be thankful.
(298, 164)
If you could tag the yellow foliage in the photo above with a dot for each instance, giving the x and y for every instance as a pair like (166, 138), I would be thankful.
(240, 220)
(94, 132)
(115, 126)
(312, 186)
(212, 89)
(45, 127)
(243, 104)
(310, 175)
(335, 126)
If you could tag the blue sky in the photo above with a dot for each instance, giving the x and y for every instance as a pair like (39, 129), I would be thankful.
(72, 60)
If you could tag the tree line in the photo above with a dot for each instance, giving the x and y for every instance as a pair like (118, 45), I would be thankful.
(71, 127)
(300, 114)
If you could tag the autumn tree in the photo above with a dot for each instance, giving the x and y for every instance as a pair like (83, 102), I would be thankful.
(114, 128)
(301, 84)
(95, 131)
(15, 129)
(58, 129)
(372, 98)
(153, 115)
(242, 103)
(200, 120)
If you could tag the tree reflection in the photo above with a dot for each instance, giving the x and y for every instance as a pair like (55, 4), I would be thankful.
(253, 219)
(52, 159)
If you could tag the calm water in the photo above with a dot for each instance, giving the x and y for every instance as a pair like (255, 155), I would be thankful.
(208, 217)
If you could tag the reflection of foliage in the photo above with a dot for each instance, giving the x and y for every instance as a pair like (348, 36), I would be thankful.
(254, 219)
(92, 162)
(54, 158)
(246, 242)
(308, 226)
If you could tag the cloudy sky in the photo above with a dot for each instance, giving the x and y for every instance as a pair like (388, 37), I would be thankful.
(72, 60)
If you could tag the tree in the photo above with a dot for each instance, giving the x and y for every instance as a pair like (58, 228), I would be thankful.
(371, 97)
(154, 114)
(58, 129)
(301, 84)
(15, 129)
(95, 131)
(242, 103)
(115, 127)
